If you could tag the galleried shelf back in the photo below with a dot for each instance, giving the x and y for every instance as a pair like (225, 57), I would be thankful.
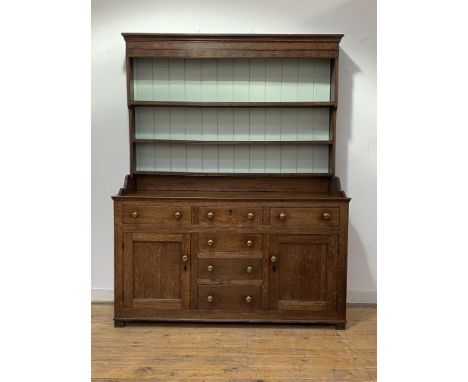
(232, 210)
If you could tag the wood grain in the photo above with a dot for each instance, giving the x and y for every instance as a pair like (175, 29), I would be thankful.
(191, 352)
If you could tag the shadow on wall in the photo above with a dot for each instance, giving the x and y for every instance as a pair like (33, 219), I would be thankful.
(359, 266)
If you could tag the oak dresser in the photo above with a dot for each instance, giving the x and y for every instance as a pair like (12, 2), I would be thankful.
(232, 211)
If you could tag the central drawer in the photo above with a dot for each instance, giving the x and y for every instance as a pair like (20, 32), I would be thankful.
(230, 215)
(228, 297)
(230, 242)
(229, 268)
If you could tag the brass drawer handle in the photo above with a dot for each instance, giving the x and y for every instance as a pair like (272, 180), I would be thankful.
(326, 216)
(250, 243)
(282, 216)
(248, 299)
(249, 269)
(185, 258)
(210, 215)
(250, 215)
(273, 259)
(210, 242)
(210, 298)
(134, 214)
(210, 268)
(177, 215)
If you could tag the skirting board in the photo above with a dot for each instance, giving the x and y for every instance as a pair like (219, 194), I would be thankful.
(364, 297)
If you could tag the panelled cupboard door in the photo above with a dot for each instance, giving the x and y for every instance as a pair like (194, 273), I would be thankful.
(156, 270)
(303, 272)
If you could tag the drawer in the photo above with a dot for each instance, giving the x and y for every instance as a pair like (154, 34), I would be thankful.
(229, 268)
(172, 216)
(230, 242)
(230, 215)
(303, 216)
(229, 297)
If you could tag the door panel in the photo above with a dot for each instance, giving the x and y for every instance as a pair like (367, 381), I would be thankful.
(304, 274)
(155, 273)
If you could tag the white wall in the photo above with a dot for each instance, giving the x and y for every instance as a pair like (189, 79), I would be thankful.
(356, 124)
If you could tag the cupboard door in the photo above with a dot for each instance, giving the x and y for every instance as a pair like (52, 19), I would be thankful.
(156, 270)
(303, 272)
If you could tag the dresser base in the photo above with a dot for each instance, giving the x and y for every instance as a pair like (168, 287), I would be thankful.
(339, 324)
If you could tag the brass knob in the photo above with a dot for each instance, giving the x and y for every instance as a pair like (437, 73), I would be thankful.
(282, 216)
(273, 259)
(326, 216)
(248, 299)
(210, 298)
(177, 215)
(185, 258)
(210, 215)
(210, 268)
(134, 214)
(250, 243)
(210, 242)
(249, 269)
(250, 215)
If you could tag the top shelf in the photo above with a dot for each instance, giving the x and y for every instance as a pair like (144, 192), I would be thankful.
(230, 104)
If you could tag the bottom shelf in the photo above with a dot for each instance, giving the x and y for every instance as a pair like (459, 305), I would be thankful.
(232, 159)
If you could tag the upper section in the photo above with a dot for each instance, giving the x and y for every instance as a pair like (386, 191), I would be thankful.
(232, 45)
(232, 104)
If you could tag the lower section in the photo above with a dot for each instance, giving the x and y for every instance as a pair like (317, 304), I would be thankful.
(238, 261)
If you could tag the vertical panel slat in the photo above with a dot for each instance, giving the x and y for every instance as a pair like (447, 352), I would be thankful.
(161, 79)
(176, 79)
(162, 121)
(257, 159)
(193, 78)
(179, 158)
(273, 80)
(320, 158)
(209, 80)
(305, 78)
(322, 80)
(194, 123)
(210, 158)
(241, 80)
(288, 159)
(257, 124)
(304, 158)
(145, 157)
(305, 124)
(257, 80)
(321, 124)
(226, 158)
(194, 158)
(144, 123)
(143, 79)
(273, 158)
(226, 124)
(210, 124)
(225, 79)
(241, 159)
(163, 157)
(177, 123)
(289, 80)
(273, 124)
(241, 124)
(289, 125)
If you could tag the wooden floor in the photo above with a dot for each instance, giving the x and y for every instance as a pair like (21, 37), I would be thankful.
(196, 352)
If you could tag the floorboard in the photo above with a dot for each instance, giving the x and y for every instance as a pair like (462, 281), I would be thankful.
(192, 352)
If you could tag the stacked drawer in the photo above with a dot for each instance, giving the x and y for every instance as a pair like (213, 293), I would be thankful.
(229, 272)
